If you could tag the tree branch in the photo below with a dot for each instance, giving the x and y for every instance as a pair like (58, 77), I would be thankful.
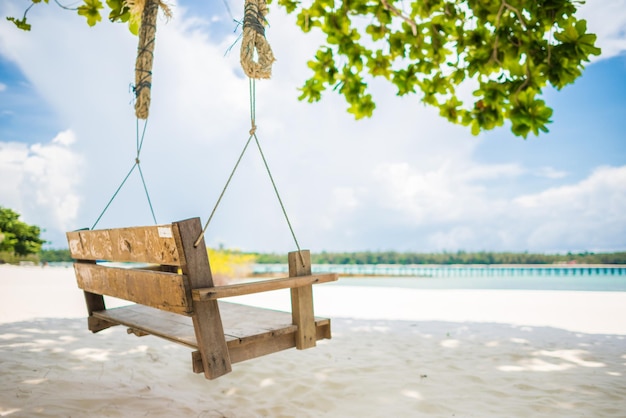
(398, 13)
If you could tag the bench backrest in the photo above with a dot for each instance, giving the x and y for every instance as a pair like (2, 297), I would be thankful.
(146, 265)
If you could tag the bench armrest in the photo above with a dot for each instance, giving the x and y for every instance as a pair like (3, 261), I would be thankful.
(217, 292)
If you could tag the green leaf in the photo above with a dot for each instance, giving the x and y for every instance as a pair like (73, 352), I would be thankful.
(379, 65)
(433, 48)
(20, 23)
(289, 5)
(363, 107)
(120, 12)
(91, 10)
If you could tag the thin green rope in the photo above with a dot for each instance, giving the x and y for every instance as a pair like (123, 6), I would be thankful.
(252, 90)
(145, 188)
(282, 206)
(139, 144)
(232, 173)
(143, 181)
(114, 195)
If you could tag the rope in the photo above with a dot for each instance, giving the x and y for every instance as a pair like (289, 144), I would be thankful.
(148, 10)
(267, 167)
(254, 40)
(253, 128)
(206, 225)
(137, 165)
(228, 10)
(145, 56)
(113, 197)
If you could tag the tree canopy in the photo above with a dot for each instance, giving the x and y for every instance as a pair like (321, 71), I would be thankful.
(231, 258)
(17, 237)
(458, 257)
(506, 52)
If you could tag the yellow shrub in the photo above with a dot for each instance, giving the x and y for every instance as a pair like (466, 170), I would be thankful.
(228, 264)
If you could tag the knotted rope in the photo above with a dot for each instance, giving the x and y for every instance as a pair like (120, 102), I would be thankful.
(253, 135)
(148, 10)
(254, 40)
(137, 165)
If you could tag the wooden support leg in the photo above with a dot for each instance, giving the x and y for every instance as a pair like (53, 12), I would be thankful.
(211, 341)
(206, 317)
(302, 300)
(94, 303)
(196, 362)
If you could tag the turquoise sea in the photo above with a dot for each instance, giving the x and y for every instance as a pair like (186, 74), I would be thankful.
(529, 277)
(605, 278)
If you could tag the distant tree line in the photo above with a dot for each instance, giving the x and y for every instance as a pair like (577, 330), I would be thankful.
(55, 256)
(393, 257)
(459, 257)
(18, 240)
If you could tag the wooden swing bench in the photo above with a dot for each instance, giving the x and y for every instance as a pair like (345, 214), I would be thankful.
(175, 297)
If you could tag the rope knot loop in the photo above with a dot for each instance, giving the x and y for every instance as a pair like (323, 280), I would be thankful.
(145, 55)
(254, 40)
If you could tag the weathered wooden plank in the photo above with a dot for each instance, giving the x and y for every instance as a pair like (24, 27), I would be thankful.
(206, 318)
(148, 244)
(161, 290)
(247, 324)
(256, 340)
(239, 353)
(249, 351)
(303, 317)
(302, 300)
(236, 334)
(261, 286)
(170, 326)
(95, 302)
(299, 263)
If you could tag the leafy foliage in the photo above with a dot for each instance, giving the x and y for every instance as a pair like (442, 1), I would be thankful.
(459, 257)
(228, 264)
(508, 51)
(55, 255)
(222, 261)
(91, 10)
(16, 236)
(505, 51)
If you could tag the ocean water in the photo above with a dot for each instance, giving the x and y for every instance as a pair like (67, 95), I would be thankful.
(587, 283)
(599, 278)
(576, 278)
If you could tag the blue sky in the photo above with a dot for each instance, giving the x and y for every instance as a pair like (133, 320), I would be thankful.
(404, 180)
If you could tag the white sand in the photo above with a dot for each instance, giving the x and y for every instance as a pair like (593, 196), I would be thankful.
(394, 353)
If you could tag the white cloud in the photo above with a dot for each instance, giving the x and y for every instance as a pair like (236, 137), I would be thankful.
(607, 19)
(65, 138)
(405, 179)
(551, 173)
(587, 214)
(454, 191)
(12, 156)
(3, 87)
(602, 193)
(40, 181)
(452, 211)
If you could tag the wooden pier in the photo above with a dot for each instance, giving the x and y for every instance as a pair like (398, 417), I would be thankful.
(459, 270)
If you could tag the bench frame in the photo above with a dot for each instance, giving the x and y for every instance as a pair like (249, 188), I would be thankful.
(174, 282)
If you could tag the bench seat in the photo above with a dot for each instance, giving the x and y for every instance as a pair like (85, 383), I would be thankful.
(165, 271)
(247, 329)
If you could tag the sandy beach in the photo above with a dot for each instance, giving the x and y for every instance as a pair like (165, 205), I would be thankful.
(394, 353)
